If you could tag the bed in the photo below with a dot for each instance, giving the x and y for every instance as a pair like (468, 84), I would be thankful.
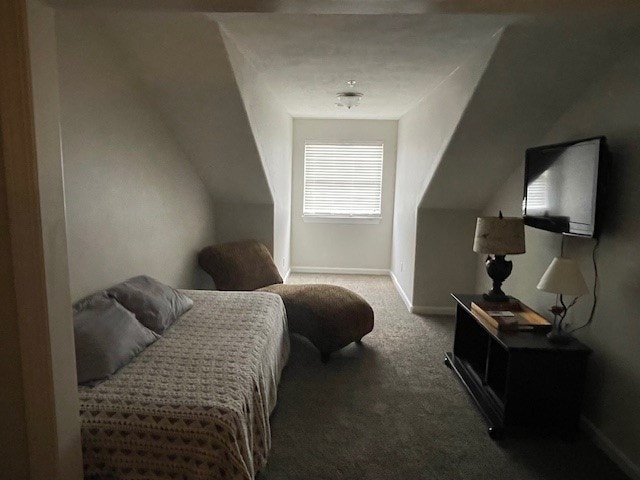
(196, 403)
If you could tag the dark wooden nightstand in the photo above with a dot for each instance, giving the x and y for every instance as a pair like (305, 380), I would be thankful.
(518, 380)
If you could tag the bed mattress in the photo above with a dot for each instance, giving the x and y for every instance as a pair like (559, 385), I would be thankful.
(196, 403)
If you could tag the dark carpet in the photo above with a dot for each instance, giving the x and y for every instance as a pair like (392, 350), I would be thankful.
(391, 409)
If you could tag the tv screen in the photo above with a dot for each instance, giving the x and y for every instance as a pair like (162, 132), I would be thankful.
(561, 186)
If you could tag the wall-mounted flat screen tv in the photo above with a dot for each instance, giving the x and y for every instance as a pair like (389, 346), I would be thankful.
(562, 186)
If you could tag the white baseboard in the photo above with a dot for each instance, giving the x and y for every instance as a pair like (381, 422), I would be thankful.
(607, 446)
(403, 295)
(341, 271)
(425, 310)
(286, 276)
(419, 310)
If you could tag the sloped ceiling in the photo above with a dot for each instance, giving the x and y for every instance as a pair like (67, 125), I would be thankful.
(396, 60)
(306, 58)
(398, 51)
(182, 62)
(538, 69)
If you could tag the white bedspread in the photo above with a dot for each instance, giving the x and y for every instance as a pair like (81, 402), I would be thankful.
(195, 404)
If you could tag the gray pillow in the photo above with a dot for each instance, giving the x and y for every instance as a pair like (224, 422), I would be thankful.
(154, 304)
(107, 337)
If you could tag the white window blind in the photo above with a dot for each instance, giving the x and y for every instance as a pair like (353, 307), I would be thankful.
(343, 179)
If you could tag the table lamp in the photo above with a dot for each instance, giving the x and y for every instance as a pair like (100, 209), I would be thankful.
(563, 277)
(497, 237)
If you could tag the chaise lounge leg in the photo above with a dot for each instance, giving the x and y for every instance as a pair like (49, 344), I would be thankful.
(324, 357)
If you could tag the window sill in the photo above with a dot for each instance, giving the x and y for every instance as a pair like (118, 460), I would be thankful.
(336, 219)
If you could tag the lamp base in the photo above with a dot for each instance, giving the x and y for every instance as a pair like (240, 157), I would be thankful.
(558, 336)
(494, 297)
(498, 270)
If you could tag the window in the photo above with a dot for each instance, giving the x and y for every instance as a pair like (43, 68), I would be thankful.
(343, 180)
(537, 193)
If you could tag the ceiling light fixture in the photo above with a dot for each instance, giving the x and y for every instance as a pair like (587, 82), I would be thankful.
(349, 99)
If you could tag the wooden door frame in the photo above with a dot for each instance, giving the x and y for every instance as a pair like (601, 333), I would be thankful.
(27, 287)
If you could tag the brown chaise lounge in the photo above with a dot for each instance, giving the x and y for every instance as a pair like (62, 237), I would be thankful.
(330, 316)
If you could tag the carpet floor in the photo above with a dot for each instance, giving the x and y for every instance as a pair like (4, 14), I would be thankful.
(391, 409)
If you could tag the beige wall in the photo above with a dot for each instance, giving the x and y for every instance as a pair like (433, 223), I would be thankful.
(423, 136)
(272, 129)
(242, 221)
(610, 107)
(445, 261)
(343, 245)
(134, 203)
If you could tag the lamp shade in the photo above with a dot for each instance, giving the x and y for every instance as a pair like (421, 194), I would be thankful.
(499, 235)
(563, 276)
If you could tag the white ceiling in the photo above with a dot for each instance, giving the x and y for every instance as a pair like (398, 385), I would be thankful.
(398, 51)
(396, 60)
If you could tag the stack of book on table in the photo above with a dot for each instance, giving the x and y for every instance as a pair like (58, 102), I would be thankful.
(510, 316)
